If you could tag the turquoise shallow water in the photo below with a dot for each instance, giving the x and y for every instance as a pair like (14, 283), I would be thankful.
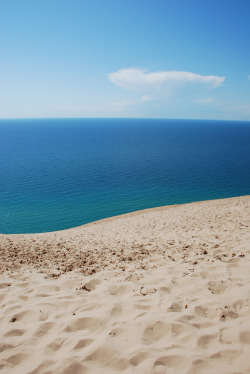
(60, 173)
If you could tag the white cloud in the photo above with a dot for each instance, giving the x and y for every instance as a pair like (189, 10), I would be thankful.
(163, 82)
(146, 98)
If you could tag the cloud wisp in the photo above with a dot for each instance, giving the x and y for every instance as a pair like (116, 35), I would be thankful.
(165, 83)
(205, 101)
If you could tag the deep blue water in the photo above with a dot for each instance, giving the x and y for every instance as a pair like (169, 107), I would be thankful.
(60, 173)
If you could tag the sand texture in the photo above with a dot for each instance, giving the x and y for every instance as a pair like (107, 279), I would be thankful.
(164, 290)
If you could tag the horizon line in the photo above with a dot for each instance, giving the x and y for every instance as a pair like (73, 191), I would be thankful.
(124, 118)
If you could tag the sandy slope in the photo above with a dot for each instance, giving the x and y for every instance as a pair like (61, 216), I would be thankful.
(165, 290)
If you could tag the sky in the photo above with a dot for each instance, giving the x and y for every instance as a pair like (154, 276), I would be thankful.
(125, 58)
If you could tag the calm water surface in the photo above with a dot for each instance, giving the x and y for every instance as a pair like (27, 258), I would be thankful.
(60, 173)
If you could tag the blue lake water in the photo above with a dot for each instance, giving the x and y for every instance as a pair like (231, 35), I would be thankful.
(60, 173)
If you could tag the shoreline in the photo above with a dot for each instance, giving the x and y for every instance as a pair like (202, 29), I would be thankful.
(131, 236)
(162, 290)
(157, 208)
(129, 214)
(132, 213)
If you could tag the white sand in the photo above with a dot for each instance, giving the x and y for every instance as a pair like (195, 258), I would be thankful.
(165, 290)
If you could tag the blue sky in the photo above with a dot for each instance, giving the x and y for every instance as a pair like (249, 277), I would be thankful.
(125, 58)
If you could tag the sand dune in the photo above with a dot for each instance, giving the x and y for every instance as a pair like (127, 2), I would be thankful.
(165, 290)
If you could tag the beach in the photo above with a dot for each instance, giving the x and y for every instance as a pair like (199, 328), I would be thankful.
(162, 291)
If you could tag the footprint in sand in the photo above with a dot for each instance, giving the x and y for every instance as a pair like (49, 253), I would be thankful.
(200, 366)
(4, 285)
(177, 332)
(226, 355)
(28, 316)
(15, 332)
(176, 307)
(91, 285)
(56, 344)
(106, 357)
(117, 290)
(165, 291)
(85, 323)
(43, 329)
(75, 368)
(82, 343)
(116, 311)
(139, 358)
(205, 341)
(156, 332)
(178, 364)
(217, 287)
(3, 347)
(245, 337)
(16, 359)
